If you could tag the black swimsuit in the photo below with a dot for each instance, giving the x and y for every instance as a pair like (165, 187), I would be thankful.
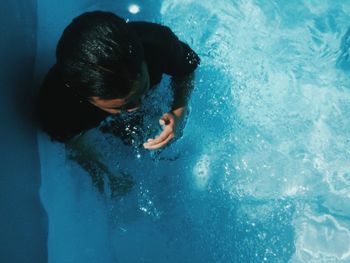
(63, 115)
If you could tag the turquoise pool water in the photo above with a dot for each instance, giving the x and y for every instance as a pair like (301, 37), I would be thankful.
(262, 172)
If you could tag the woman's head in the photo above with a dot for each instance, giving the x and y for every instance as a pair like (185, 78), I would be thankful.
(99, 57)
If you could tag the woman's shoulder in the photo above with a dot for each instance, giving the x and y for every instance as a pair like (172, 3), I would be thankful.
(60, 113)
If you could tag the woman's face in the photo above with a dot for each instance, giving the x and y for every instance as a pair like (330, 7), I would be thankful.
(129, 103)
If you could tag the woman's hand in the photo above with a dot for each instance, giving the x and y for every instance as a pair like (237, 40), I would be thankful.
(169, 122)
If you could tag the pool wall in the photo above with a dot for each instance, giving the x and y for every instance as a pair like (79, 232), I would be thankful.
(23, 221)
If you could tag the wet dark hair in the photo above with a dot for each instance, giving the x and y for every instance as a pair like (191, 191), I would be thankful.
(98, 55)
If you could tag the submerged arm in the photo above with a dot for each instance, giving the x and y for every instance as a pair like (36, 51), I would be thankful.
(183, 87)
(86, 155)
(88, 158)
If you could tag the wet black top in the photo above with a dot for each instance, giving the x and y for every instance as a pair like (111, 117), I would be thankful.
(62, 114)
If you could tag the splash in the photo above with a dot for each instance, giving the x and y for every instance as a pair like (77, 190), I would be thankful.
(280, 105)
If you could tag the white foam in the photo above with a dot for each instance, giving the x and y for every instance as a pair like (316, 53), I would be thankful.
(321, 238)
(201, 172)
